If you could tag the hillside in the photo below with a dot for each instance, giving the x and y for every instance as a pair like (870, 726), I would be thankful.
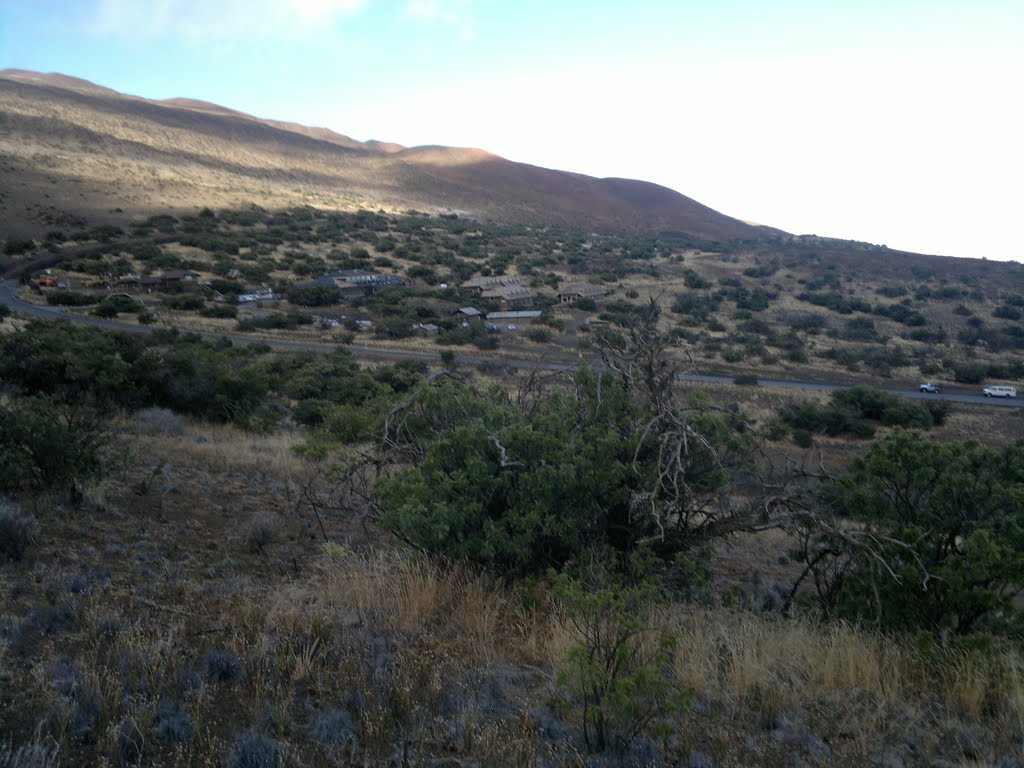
(232, 533)
(69, 148)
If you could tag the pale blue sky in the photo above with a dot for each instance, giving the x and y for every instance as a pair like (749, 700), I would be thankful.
(895, 121)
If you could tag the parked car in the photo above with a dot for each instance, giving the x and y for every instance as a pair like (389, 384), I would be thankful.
(999, 391)
(931, 386)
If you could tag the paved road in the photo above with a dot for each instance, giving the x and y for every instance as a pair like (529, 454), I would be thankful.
(9, 296)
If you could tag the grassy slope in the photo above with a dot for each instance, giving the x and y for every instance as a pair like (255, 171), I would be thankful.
(195, 608)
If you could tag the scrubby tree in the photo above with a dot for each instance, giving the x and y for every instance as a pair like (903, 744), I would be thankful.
(47, 447)
(922, 535)
(520, 480)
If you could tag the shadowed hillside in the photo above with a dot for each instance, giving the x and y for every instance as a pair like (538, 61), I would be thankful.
(69, 148)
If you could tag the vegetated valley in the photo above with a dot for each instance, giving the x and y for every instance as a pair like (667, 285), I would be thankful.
(215, 551)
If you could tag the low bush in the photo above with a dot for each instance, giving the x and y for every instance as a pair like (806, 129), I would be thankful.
(47, 449)
(260, 531)
(539, 335)
(112, 306)
(856, 410)
(184, 301)
(314, 296)
(275, 321)
(158, 421)
(254, 750)
(220, 311)
(71, 299)
(17, 532)
(16, 246)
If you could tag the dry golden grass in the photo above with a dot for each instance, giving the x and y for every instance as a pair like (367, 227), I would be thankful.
(298, 639)
(222, 448)
(413, 595)
(772, 665)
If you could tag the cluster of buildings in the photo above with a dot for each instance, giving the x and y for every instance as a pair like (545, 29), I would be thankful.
(172, 278)
(355, 283)
(513, 293)
(515, 297)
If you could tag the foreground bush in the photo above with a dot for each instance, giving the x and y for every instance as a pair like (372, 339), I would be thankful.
(17, 532)
(925, 536)
(47, 447)
(524, 484)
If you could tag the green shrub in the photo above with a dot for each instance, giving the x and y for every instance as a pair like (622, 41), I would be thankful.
(930, 537)
(349, 423)
(619, 672)
(803, 438)
(14, 246)
(314, 296)
(519, 490)
(17, 533)
(71, 299)
(694, 281)
(221, 311)
(311, 412)
(969, 373)
(184, 301)
(853, 411)
(112, 306)
(275, 321)
(47, 447)
(539, 335)
(394, 328)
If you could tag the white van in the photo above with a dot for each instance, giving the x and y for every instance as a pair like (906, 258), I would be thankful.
(1000, 391)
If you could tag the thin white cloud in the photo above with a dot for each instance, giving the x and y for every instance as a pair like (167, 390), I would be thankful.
(457, 14)
(325, 10)
(200, 20)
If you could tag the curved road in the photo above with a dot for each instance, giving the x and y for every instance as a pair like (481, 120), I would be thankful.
(9, 296)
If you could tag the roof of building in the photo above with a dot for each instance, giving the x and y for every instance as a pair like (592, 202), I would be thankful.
(469, 311)
(355, 277)
(371, 278)
(582, 289)
(521, 314)
(509, 292)
(492, 281)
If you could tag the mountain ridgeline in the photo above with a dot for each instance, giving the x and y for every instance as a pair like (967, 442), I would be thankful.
(69, 148)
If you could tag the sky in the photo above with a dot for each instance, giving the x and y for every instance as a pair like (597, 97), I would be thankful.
(896, 122)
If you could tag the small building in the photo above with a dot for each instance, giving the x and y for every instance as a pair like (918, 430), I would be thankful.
(511, 297)
(131, 280)
(468, 313)
(426, 329)
(357, 282)
(179, 276)
(573, 292)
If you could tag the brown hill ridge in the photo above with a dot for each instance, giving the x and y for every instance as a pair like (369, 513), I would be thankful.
(71, 149)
